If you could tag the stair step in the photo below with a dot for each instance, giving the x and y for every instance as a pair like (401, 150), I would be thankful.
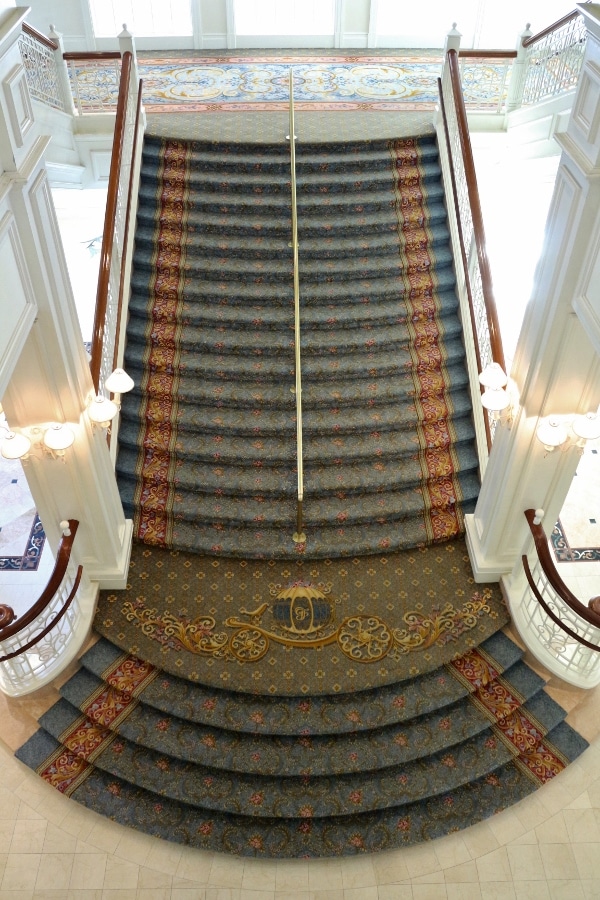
(246, 835)
(255, 222)
(335, 713)
(253, 420)
(296, 754)
(333, 395)
(313, 249)
(282, 796)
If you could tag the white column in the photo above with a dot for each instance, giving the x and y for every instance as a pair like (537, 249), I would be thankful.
(557, 361)
(44, 372)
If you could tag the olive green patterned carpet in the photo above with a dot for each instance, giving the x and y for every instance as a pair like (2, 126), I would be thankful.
(301, 626)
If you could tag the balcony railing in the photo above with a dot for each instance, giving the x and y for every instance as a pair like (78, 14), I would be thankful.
(475, 280)
(33, 646)
(94, 79)
(553, 59)
(485, 77)
(560, 630)
(38, 54)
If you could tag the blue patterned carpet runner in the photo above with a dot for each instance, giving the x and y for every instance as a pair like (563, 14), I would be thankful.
(207, 457)
(301, 776)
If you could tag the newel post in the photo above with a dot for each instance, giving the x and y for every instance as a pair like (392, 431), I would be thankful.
(518, 72)
(62, 71)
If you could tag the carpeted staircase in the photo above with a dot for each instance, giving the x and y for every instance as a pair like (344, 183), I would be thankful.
(302, 776)
(207, 457)
(306, 716)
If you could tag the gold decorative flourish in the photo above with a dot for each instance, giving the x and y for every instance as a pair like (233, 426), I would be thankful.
(440, 626)
(362, 638)
(198, 636)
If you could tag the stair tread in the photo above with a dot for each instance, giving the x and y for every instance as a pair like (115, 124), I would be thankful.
(296, 754)
(289, 715)
(307, 836)
(284, 796)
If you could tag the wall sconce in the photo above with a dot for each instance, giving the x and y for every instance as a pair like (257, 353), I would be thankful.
(15, 446)
(57, 439)
(118, 382)
(53, 441)
(552, 433)
(586, 428)
(101, 412)
(495, 399)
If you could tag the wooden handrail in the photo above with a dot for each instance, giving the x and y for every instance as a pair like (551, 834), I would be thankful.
(39, 36)
(487, 54)
(463, 252)
(136, 126)
(527, 42)
(477, 217)
(109, 222)
(35, 640)
(58, 573)
(541, 546)
(91, 55)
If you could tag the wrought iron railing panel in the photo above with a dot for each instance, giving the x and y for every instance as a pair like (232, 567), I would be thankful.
(554, 61)
(94, 83)
(485, 83)
(575, 658)
(39, 63)
(25, 670)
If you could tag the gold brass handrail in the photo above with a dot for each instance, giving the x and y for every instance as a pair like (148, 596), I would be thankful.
(299, 537)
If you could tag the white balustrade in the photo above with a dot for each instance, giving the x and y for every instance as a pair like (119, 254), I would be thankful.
(43, 78)
(562, 653)
(553, 63)
(29, 669)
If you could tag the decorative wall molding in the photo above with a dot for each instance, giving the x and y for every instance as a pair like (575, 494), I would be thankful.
(18, 104)
(17, 316)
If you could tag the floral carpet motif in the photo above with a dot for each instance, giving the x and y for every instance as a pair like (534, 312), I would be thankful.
(321, 82)
(564, 552)
(29, 560)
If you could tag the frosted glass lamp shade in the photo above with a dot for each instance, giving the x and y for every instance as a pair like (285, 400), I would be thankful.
(552, 433)
(587, 427)
(118, 382)
(58, 438)
(493, 376)
(102, 411)
(495, 399)
(15, 446)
